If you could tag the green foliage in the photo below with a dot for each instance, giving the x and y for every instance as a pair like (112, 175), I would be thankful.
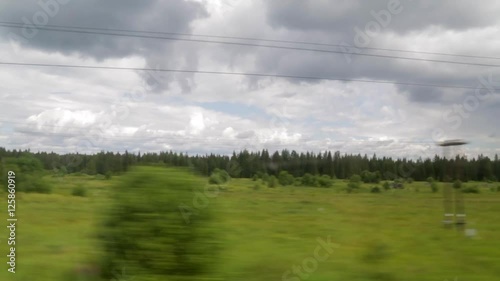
(298, 181)
(434, 187)
(386, 185)
(398, 183)
(370, 177)
(354, 183)
(355, 179)
(234, 169)
(471, 189)
(430, 180)
(61, 172)
(27, 164)
(325, 181)
(457, 184)
(375, 189)
(79, 190)
(272, 181)
(409, 180)
(285, 178)
(154, 230)
(29, 175)
(34, 184)
(107, 175)
(219, 176)
(256, 186)
(309, 180)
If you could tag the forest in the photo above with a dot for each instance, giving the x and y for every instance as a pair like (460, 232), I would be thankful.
(247, 164)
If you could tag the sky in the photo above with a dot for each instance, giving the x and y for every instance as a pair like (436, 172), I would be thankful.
(404, 42)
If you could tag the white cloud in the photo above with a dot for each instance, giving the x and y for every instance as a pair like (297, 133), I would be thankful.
(56, 109)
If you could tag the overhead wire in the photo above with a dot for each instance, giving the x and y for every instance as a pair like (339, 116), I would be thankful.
(22, 25)
(243, 74)
(265, 46)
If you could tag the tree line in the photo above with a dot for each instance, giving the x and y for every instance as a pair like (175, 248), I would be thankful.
(247, 164)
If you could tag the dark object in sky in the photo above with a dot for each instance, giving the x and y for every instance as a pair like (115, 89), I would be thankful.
(452, 142)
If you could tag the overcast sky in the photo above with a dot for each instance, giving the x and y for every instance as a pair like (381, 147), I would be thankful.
(88, 110)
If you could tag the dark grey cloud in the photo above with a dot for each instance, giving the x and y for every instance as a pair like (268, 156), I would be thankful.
(343, 15)
(148, 15)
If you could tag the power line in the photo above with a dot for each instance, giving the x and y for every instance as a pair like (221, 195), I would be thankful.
(266, 46)
(21, 25)
(244, 74)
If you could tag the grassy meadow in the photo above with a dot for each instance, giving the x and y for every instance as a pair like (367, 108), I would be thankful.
(265, 232)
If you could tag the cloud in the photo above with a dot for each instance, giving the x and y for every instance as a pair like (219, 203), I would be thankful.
(176, 16)
(342, 16)
(58, 109)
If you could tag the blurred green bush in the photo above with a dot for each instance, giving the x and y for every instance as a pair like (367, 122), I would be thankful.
(146, 232)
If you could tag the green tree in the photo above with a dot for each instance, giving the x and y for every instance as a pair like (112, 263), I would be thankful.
(154, 230)
(285, 178)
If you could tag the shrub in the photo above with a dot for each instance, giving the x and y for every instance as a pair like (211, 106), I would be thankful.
(153, 229)
(297, 181)
(375, 189)
(219, 176)
(215, 179)
(398, 183)
(386, 185)
(457, 184)
(309, 180)
(355, 178)
(29, 174)
(354, 183)
(285, 178)
(272, 182)
(36, 185)
(370, 177)
(430, 180)
(325, 181)
(79, 190)
(107, 175)
(471, 189)
(434, 187)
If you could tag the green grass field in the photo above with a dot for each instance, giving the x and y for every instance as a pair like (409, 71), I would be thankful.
(393, 235)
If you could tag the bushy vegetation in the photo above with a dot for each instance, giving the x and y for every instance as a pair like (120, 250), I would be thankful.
(272, 181)
(370, 177)
(386, 185)
(219, 176)
(325, 181)
(29, 174)
(354, 183)
(153, 230)
(471, 189)
(79, 190)
(433, 184)
(285, 178)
